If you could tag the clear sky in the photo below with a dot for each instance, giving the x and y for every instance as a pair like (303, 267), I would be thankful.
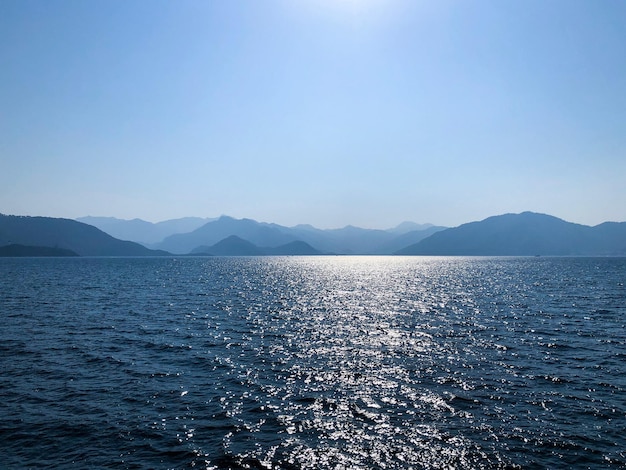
(329, 112)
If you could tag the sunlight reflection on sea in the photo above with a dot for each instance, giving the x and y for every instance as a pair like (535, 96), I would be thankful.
(314, 362)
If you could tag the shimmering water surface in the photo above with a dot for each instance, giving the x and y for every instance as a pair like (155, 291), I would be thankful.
(314, 363)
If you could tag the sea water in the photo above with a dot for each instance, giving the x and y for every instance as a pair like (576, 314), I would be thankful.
(313, 363)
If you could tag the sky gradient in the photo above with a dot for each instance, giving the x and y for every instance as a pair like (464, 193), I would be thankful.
(328, 112)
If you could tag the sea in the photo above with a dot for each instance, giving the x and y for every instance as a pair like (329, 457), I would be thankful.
(324, 362)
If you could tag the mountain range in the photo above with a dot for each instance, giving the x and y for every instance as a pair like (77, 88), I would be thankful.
(347, 240)
(35, 233)
(235, 246)
(524, 234)
(141, 231)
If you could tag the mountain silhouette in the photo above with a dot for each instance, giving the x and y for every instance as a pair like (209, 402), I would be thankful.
(141, 231)
(524, 234)
(407, 226)
(230, 246)
(408, 238)
(66, 234)
(260, 234)
(236, 246)
(346, 240)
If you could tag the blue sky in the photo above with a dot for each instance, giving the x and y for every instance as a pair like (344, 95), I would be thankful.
(329, 112)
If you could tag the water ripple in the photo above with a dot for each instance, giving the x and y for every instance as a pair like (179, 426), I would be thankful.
(313, 363)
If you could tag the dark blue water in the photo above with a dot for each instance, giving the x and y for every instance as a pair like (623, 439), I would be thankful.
(320, 362)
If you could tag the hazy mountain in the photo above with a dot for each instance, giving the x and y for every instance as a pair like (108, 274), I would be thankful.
(610, 237)
(356, 240)
(140, 231)
(236, 246)
(524, 234)
(230, 246)
(406, 239)
(406, 227)
(347, 240)
(66, 234)
(510, 234)
(260, 234)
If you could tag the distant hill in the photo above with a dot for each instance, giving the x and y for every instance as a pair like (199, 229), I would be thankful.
(66, 234)
(140, 231)
(260, 234)
(236, 246)
(406, 227)
(230, 246)
(16, 250)
(356, 240)
(524, 234)
(347, 240)
(408, 238)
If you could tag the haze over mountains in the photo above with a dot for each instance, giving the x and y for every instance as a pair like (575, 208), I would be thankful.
(347, 240)
(524, 234)
(141, 231)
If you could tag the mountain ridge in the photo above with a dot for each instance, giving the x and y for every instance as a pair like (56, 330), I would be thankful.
(237, 246)
(142, 231)
(258, 233)
(66, 234)
(524, 234)
(346, 240)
